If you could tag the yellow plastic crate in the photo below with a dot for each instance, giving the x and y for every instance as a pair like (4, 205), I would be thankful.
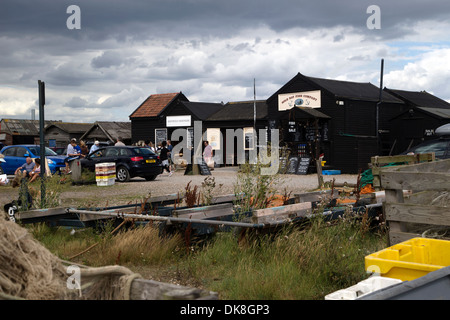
(411, 259)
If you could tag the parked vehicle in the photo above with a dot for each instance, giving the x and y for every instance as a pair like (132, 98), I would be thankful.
(130, 162)
(15, 156)
(440, 146)
(61, 151)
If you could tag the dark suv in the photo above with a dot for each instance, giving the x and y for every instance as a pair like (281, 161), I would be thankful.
(130, 162)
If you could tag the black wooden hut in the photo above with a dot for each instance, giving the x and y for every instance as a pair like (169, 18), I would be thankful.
(351, 136)
(423, 114)
(234, 116)
(161, 114)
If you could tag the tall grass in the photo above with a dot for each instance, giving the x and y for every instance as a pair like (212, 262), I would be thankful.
(296, 263)
(304, 264)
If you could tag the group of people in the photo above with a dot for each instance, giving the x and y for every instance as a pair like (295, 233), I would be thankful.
(75, 151)
(30, 169)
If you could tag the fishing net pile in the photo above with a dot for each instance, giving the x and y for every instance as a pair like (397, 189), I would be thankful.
(30, 271)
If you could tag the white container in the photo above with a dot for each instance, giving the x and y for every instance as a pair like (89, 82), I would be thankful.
(105, 173)
(362, 288)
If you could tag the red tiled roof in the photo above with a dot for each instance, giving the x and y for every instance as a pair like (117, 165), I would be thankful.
(153, 105)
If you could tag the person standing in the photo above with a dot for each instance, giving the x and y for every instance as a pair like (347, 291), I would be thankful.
(164, 156)
(207, 153)
(119, 142)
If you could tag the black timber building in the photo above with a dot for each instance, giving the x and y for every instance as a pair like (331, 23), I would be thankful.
(161, 114)
(423, 114)
(346, 113)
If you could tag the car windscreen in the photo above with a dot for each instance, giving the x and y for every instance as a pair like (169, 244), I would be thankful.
(37, 151)
(144, 151)
(438, 147)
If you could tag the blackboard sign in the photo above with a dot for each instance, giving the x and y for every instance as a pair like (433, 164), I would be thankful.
(204, 170)
(160, 136)
(283, 165)
(201, 165)
(303, 165)
(292, 165)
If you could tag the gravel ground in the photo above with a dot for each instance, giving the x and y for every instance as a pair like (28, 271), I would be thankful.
(137, 188)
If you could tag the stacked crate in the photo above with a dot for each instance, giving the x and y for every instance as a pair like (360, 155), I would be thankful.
(105, 173)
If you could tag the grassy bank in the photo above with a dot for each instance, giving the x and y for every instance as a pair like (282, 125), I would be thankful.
(296, 263)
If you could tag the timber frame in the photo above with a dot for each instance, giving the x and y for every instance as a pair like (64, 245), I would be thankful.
(425, 208)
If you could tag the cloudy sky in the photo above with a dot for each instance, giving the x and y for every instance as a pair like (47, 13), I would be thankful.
(210, 50)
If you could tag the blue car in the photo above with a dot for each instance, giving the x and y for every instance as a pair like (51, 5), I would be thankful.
(15, 156)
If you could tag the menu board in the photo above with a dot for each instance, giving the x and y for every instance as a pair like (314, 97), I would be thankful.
(283, 165)
(292, 165)
(303, 165)
(160, 136)
(204, 170)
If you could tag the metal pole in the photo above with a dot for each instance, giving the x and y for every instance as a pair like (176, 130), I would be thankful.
(169, 219)
(41, 86)
(254, 105)
(378, 106)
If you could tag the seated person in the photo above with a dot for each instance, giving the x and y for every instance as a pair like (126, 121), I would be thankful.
(36, 171)
(72, 153)
(26, 168)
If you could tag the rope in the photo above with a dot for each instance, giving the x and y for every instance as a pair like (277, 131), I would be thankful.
(30, 272)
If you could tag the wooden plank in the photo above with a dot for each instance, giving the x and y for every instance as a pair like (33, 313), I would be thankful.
(377, 164)
(393, 196)
(41, 214)
(383, 160)
(442, 166)
(415, 181)
(207, 212)
(282, 214)
(315, 196)
(414, 213)
(223, 198)
(396, 237)
(424, 197)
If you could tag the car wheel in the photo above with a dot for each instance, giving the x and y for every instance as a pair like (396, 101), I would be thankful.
(150, 178)
(122, 174)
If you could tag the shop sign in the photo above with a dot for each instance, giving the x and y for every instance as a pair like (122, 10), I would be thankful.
(310, 99)
(178, 121)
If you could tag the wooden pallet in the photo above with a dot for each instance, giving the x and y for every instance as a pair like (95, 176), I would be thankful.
(411, 214)
(377, 164)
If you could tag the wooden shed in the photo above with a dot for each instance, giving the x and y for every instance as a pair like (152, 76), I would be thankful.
(424, 113)
(58, 134)
(20, 131)
(160, 114)
(108, 131)
(352, 137)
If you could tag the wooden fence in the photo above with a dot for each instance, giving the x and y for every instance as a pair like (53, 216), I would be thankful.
(377, 163)
(426, 207)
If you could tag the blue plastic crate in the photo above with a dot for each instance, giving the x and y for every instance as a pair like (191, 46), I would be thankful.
(331, 172)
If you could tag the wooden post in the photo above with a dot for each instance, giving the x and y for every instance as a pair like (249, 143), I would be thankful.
(75, 167)
(319, 172)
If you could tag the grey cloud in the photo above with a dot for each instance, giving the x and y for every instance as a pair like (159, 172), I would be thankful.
(107, 59)
(141, 19)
